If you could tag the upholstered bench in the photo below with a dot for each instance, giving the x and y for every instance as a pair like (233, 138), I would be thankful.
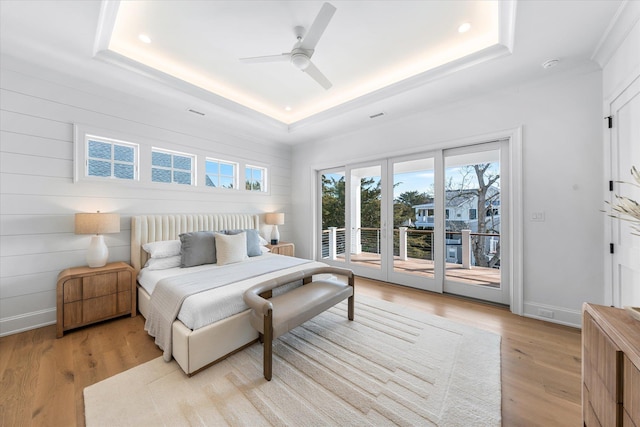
(275, 316)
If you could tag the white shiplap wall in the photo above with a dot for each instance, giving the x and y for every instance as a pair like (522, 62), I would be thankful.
(38, 198)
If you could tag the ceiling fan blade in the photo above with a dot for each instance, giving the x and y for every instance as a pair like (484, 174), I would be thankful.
(312, 37)
(316, 75)
(269, 58)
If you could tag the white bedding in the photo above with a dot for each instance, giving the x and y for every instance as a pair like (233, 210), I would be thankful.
(216, 304)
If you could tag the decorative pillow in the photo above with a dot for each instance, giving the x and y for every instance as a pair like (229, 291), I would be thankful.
(163, 263)
(263, 241)
(253, 240)
(198, 247)
(264, 249)
(231, 248)
(163, 248)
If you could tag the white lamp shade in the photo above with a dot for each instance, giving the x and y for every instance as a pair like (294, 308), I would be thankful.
(275, 218)
(97, 223)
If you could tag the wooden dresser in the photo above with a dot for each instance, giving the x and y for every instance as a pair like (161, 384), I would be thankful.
(610, 367)
(87, 295)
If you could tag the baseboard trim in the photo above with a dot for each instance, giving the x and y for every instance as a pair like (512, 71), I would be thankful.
(560, 315)
(27, 321)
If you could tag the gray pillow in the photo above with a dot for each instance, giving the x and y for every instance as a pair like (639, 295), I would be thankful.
(198, 247)
(253, 240)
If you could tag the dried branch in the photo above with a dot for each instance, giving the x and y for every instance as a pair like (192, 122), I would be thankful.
(628, 208)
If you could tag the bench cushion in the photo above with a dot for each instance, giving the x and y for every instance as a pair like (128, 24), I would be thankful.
(295, 307)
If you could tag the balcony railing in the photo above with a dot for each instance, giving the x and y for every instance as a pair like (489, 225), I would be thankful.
(412, 243)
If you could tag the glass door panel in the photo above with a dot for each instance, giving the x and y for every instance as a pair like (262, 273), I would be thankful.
(365, 232)
(472, 211)
(333, 214)
(414, 217)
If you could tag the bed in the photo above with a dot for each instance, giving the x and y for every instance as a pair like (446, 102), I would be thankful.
(197, 348)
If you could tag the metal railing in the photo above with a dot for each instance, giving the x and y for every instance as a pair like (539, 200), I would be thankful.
(417, 244)
(333, 242)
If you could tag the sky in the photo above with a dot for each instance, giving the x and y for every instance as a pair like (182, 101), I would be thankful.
(423, 181)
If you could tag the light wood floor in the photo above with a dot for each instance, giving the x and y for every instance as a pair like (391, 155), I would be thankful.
(42, 378)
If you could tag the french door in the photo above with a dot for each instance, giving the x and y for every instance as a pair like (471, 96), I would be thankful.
(433, 221)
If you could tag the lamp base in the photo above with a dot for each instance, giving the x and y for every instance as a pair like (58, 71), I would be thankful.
(275, 235)
(98, 253)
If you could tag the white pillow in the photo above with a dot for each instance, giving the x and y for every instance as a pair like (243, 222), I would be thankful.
(262, 240)
(163, 263)
(231, 248)
(163, 248)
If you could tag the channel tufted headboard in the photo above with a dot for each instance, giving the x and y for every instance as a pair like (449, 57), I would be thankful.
(153, 228)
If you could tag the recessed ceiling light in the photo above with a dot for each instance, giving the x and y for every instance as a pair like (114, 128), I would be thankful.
(463, 28)
(550, 63)
(144, 38)
(287, 108)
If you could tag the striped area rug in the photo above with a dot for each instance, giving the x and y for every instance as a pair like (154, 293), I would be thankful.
(390, 366)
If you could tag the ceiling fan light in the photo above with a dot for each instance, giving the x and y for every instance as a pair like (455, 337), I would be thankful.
(300, 61)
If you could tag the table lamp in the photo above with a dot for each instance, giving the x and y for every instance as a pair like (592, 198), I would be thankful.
(274, 219)
(97, 224)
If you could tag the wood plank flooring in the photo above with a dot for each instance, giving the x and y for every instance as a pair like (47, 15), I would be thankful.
(42, 378)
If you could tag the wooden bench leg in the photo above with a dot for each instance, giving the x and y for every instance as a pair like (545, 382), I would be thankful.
(268, 345)
(352, 299)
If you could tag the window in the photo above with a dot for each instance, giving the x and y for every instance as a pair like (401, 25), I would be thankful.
(473, 213)
(108, 158)
(171, 166)
(256, 178)
(221, 174)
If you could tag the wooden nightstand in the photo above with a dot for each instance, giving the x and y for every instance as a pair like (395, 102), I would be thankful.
(283, 248)
(87, 295)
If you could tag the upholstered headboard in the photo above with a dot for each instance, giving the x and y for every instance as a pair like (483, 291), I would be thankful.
(152, 228)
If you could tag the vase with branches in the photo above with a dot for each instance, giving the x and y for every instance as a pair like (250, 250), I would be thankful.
(626, 208)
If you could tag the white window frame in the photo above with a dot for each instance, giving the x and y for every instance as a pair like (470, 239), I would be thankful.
(264, 183)
(221, 162)
(172, 169)
(82, 136)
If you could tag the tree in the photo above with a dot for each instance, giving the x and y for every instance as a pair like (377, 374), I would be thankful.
(404, 203)
(370, 195)
(333, 200)
(487, 192)
(252, 185)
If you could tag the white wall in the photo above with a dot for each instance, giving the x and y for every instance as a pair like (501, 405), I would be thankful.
(623, 65)
(38, 198)
(562, 175)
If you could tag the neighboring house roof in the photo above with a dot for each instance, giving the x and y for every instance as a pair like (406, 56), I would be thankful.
(455, 199)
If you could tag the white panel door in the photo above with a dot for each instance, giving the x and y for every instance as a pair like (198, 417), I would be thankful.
(625, 153)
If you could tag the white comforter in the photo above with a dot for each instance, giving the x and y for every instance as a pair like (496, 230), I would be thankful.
(216, 304)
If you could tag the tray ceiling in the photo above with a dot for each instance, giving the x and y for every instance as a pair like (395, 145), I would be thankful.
(367, 46)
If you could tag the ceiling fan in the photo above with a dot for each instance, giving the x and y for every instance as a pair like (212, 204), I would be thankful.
(303, 49)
